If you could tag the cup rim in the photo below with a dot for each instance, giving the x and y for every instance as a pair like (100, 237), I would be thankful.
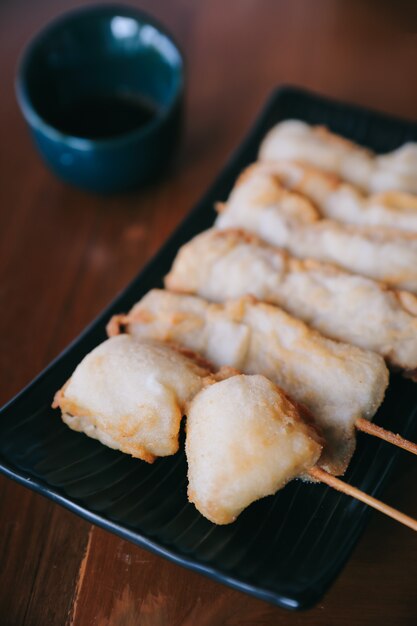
(38, 122)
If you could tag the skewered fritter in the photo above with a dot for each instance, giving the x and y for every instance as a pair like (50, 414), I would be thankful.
(260, 204)
(221, 265)
(295, 140)
(245, 437)
(344, 202)
(245, 440)
(337, 382)
(130, 394)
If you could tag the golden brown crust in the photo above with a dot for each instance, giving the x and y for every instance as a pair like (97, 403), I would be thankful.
(330, 137)
(310, 172)
(239, 235)
(60, 395)
(305, 415)
(246, 174)
(119, 324)
(225, 372)
(116, 325)
(316, 145)
(119, 436)
(396, 199)
(293, 222)
(406, 299)
(253, 336)
(111, 394)
(245, 440)
(193, 356)
(57, 398)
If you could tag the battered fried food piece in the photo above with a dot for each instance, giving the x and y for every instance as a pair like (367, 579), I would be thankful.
(221, 265)
(261, 204)
(344, 202)
(245, 440)
(130, 394)
(337, 382)
(316, 145)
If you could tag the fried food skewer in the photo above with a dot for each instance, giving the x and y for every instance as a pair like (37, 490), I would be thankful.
(316, 145)
(130, 394)
(191, 321)
(226, 447)
(337, 382)
(261, 204)
(221, 265)
(341, 201)
(245, 438)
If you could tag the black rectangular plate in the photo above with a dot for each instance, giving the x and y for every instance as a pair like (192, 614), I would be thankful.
(285, 549)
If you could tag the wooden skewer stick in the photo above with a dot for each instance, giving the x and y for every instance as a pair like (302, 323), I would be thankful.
(339, 485)
(372, 429)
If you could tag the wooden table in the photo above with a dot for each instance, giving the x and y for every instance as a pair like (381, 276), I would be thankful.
(65, 254)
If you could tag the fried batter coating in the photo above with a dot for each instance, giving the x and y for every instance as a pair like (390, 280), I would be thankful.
(344, 202)
(261, 204)
(315, 145)
(245, 440)
(221, 265)
(130, 394)
(337, 382)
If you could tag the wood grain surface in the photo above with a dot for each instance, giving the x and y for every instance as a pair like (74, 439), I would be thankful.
(65, 254)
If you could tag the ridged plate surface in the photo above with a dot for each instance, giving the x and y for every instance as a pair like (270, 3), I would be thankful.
(286, 549)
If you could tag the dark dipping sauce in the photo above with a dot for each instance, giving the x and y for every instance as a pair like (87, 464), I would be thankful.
(104, 116)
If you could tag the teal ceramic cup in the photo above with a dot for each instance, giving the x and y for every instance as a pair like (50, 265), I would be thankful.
(101, 89)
